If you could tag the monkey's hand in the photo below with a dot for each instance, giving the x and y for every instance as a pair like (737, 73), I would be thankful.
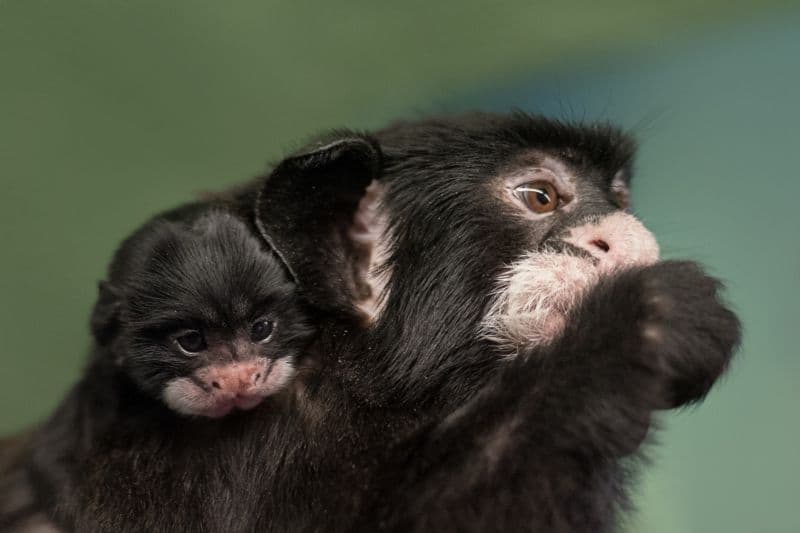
(663, 325)
(649, 338)
(689, 333)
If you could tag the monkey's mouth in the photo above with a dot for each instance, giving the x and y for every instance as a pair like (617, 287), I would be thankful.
(536, 294)
(534, 297)
(223, 406)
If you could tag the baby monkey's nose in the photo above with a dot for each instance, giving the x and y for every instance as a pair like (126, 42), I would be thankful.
(617, 241)
(235, 378)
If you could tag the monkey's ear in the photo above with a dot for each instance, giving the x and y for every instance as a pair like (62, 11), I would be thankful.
(105, 315)
(305, 211)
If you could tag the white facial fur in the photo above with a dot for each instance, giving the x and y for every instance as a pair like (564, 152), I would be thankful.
(214, 391)
(536, 293)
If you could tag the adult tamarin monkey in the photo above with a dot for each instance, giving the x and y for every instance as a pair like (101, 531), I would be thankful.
(497, 334)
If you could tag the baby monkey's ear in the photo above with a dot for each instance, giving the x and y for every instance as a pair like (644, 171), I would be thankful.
(305, 212)
(105, 315)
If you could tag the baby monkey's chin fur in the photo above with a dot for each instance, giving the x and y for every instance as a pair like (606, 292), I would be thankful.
(536, 293)
(214, 391)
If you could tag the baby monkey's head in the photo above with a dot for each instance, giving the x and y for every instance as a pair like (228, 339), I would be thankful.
(201, 314)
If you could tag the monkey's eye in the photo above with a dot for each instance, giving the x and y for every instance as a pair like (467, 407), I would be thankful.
(191, 342)
(261, 330)
(539, 196)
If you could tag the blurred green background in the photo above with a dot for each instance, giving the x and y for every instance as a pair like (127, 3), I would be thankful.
(111, 110)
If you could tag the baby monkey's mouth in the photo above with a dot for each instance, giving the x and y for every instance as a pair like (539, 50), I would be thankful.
(214, 391)
(222, 406)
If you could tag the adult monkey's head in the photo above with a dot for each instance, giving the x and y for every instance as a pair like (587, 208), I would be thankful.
(475, 240)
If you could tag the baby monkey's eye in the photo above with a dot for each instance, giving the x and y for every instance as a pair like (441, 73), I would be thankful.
(261, 330)
(539, 196)
(191, 342)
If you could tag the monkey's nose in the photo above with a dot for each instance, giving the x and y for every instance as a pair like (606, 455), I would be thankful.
(601, 244)
(616, 241)
(234, 379)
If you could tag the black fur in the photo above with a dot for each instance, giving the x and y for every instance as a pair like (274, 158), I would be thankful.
(416, 422)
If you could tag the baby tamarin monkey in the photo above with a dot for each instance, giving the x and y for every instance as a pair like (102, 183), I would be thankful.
(201, 316)
(198, 319)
